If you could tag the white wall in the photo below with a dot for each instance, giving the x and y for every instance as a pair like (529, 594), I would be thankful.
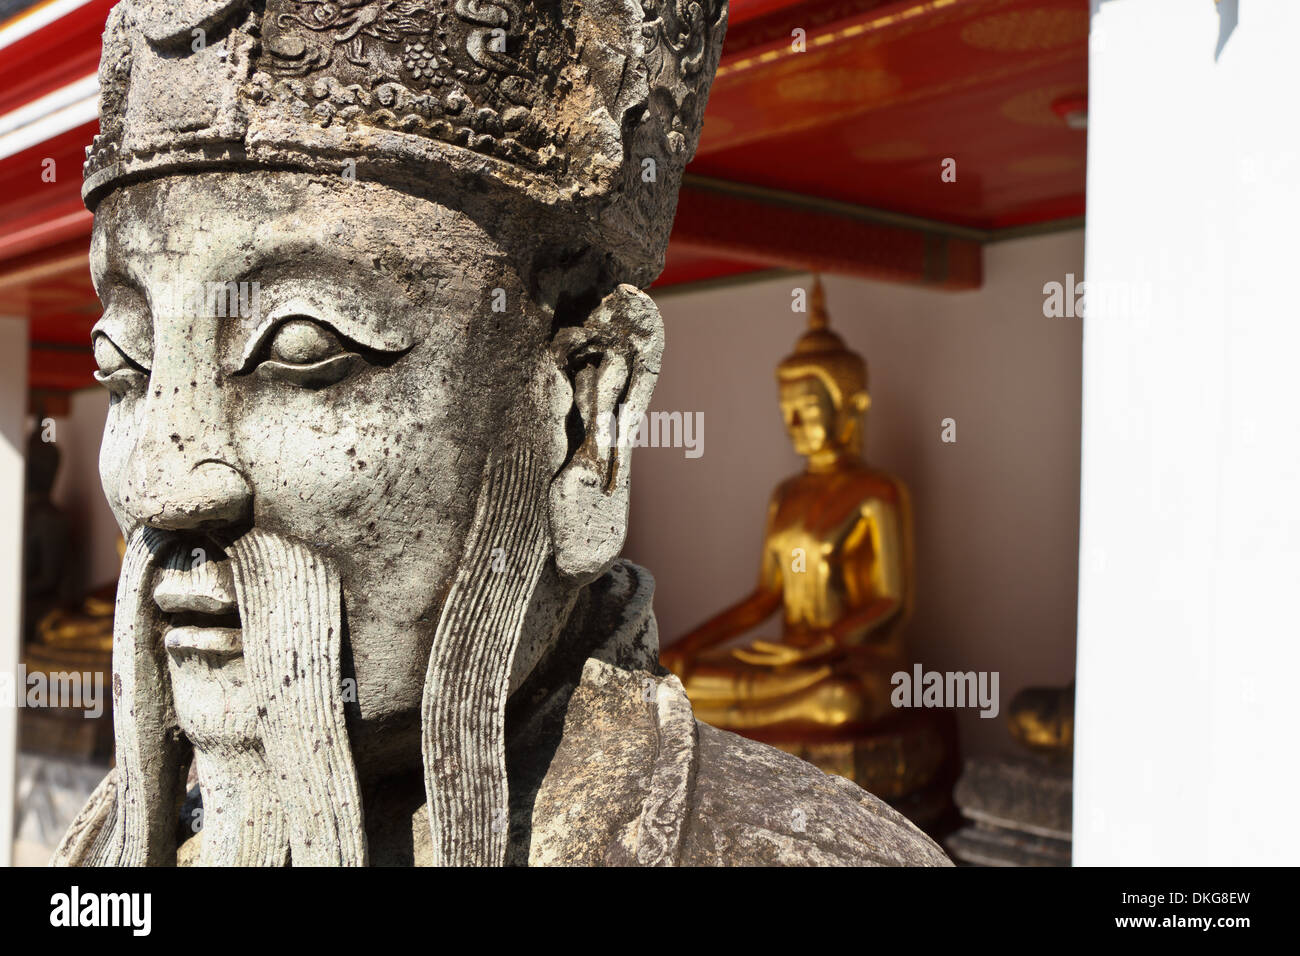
(1188, 650)
(13, 443)
(996, 513)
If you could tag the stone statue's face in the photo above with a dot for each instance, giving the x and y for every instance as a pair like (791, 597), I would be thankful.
(809, 414)
(349, 405)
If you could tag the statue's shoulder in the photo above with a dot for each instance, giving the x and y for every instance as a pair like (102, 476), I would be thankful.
(755, 805)
(637, 780)
(880, 485)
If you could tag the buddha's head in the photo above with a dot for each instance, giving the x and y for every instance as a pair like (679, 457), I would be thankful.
(823, 390)
(359, 333)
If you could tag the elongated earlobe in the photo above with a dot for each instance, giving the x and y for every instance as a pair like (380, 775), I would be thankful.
(849, 428)
(612, 362)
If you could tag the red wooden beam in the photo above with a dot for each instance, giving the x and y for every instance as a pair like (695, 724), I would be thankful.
(60, 369)
(36, 213)
(754, 23)
(779, 231)
(67, 262)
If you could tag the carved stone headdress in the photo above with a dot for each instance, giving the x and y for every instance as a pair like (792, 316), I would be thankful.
(587, 108)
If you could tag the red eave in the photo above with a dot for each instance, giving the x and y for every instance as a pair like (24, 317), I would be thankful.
(52, 57)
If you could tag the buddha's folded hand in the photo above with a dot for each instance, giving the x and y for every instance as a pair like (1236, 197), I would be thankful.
(769, 654)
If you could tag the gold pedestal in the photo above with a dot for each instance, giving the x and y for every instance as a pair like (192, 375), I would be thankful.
(67, 731)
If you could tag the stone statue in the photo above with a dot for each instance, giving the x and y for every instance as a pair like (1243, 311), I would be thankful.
(1041, 720)
(371, 276)
(61, 636)
(1020, 807)
(46, 534)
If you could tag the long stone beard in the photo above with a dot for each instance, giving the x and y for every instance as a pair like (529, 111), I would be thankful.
(152, 756)
(281, 787)
(468, 681)
(290, 606)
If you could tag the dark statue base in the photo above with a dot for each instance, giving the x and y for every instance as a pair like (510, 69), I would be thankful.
(1018, 811)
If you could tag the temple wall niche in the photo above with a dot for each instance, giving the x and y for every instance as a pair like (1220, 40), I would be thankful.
(996, 513)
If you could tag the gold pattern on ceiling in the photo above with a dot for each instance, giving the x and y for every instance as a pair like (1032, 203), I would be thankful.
(1027, 30)
(838, 86)
(717, 126)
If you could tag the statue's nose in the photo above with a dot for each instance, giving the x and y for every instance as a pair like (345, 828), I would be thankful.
(208, 496)
(181, 474)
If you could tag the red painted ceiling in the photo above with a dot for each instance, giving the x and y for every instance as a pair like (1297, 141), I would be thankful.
(883, 93)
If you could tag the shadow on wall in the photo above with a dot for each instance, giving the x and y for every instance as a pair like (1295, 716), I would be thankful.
(1227, 23)
(1227, 10)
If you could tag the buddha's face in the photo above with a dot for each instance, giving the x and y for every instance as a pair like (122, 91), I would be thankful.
(350, 408)
(809, 413)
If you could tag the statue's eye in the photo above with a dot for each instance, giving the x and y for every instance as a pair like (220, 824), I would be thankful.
(303, 342)
(305, 352)
(117, 373)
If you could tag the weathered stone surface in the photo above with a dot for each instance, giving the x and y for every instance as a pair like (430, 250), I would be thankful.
(371, 590)
(564, 106)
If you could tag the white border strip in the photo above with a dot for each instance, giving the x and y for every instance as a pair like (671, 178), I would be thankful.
(25, 24)
(66, 108)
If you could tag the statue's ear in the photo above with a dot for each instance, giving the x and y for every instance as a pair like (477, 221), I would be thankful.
(611, 362)
(850, 418)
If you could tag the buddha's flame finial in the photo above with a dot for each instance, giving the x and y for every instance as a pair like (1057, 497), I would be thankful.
(818, 318)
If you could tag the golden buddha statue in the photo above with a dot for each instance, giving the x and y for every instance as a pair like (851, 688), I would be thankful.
(837, 560)
(83, 628)
(1041, 719)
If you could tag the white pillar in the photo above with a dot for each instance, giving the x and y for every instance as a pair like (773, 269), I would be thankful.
(13, 444)
(1189, 629)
